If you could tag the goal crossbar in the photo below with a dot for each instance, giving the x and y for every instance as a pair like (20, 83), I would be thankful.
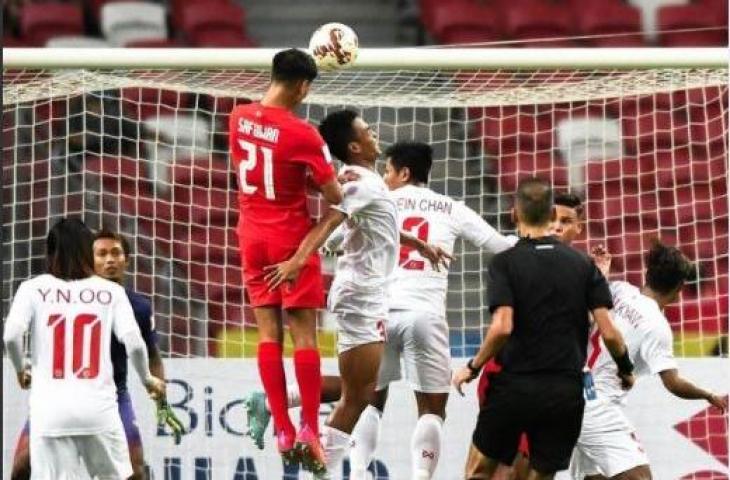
(373, 58)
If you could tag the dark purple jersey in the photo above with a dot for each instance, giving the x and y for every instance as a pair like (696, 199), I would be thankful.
(143, 314)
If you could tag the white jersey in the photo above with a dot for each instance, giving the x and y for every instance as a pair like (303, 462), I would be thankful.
(71, 323)
(371, 237)
(647, 335)
(438, 220)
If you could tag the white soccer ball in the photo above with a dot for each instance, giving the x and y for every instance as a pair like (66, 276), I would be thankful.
(334, 45)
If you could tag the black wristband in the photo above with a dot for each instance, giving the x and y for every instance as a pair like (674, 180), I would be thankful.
(625, 367)
(474, 370)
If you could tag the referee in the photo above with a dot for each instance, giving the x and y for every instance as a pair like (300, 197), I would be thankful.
(540, 293)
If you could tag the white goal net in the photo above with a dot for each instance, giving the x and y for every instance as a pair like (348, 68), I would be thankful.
(144, 151)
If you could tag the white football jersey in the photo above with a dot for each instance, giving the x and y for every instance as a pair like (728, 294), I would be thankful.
(371, 235)
(438, 220)
(647, 335)
(71, 324)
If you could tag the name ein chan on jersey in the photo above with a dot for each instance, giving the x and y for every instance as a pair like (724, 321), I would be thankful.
(425, 205)
(247, 127)
(85, 296)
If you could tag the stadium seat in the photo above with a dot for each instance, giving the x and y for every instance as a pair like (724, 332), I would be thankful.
(538, 19)
(77, 42)
(510, 129)
(41, 21)
(155, 43)
(513, 167)
(202, 23)
(465, 22)
(115, 175)
(610, 21)
(655, 130)
(177, 8)
(202, 172)
(143, 103)
(123, 22)
(710, 29)
(222, 39)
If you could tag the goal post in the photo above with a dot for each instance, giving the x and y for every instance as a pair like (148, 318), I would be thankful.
(136, 140)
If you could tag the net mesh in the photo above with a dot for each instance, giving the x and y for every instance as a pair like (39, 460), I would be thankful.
(145, 153)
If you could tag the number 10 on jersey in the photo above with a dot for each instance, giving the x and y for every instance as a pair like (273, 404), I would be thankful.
(249, 163)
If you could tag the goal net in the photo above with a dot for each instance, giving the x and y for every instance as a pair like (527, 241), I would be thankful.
(144, 151)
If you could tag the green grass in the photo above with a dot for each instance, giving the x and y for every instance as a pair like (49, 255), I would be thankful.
(242, 342)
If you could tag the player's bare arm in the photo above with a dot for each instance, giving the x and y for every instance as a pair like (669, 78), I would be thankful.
(499, 332)
(615, 344)
(683, 388)
(289, 269)
(433, 253)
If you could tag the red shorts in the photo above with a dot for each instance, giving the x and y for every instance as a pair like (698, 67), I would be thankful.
(307, 291)
(490, 369)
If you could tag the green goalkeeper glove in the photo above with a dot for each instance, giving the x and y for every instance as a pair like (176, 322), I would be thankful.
(165, 416)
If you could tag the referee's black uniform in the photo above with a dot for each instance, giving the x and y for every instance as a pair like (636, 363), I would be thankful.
(551, 288)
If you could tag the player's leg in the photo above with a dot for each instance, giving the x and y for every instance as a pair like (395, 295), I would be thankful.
(427, 361)
(520, 467)
(55, 458)
(359, 369)
(132, 435)
(271, 370)
(554, 425)
(105, 455)
(21, 459)
(367, 430)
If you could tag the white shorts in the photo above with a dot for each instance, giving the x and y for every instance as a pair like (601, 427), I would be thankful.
(105, 455)
(608, 444)
(360, 315)
(421, 339)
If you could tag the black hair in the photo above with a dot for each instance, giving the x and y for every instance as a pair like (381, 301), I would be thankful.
(417, 156)
(293, 65)
(69, 250)
(570, 200)
(666, 268)
(108, 234)
(337, 131)
(534, 201)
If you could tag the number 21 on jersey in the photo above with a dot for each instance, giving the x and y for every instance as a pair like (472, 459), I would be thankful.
(409, 257)
(249, 163)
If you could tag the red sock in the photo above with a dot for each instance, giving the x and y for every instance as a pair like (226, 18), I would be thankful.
(271, 370)
(309, 378)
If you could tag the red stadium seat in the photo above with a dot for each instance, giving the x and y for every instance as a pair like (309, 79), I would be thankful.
(202, 172)
(465, 21)
(655, 131)
(116, 175)
(222, 39)
(610, 22)
(710, 30)
(142, 103)
(510, 129)
(538, 19)
(513, 167)
(42, 21)
(155, 43)
(203, 23)
(177, 8)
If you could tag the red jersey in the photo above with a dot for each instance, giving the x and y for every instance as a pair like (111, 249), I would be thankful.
(273, 151)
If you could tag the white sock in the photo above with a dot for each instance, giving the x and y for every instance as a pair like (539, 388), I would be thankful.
(293, 398)
(364, 442)
(336, 443)
(426, 446)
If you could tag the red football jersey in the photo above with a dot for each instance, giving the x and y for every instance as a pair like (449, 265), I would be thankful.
(273, 151)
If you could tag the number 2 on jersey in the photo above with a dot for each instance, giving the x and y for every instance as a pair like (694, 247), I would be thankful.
(250, 163)
(85, 362)
(417, 226)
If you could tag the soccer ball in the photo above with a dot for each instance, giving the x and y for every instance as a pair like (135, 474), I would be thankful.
(334, 45)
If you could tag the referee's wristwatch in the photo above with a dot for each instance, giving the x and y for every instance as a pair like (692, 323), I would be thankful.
(474, 370)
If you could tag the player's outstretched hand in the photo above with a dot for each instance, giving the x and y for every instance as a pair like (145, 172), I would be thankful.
(718, 401)
(627, 381)
(24, 378)
(602, 259)
(156, 388)
(436, 255)
(460, 376)
(165, 416)
(287, 271)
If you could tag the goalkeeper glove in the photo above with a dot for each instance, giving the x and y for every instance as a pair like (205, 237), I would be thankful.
(165, 416)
